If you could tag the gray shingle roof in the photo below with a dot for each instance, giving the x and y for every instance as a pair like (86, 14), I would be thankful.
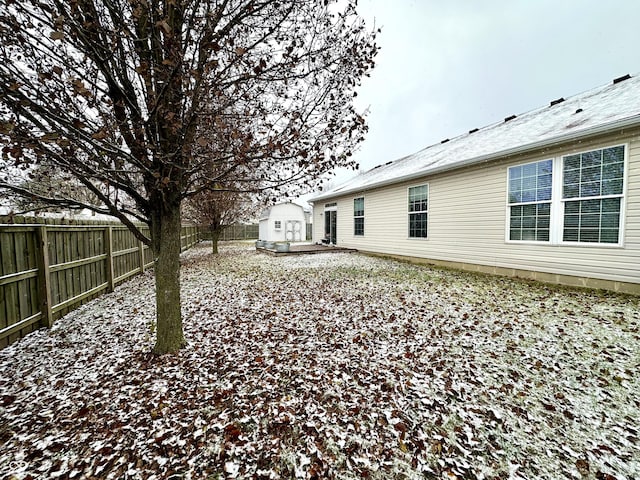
(599, 110)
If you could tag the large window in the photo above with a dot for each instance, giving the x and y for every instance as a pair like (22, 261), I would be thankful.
(571, 199)
(358, 216)
(418, 211)
(592, 191)
(530, 201)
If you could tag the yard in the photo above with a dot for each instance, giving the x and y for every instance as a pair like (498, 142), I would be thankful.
(330, 366)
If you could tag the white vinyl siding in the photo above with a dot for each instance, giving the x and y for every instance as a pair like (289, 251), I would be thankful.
(468, 223)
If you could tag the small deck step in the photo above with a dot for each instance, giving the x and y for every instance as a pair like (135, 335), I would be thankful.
(307, 249)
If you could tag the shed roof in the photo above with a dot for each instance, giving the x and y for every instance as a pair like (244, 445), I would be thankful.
(600, 110)
(266, 212)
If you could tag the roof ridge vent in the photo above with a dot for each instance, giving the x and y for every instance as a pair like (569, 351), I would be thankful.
(445, 140)
(474, 130)
(556, 102)
(510, 118)
(621, 79)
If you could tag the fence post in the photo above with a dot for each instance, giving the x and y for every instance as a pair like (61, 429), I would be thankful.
(141, 255)
(109, 251)
(44, 273)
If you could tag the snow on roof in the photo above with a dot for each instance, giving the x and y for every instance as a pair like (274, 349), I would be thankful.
(265, 213)
(598, 110)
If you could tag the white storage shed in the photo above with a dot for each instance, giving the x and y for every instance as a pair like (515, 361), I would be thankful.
(283, 222)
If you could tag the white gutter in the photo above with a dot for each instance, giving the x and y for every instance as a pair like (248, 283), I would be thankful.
(568, 137)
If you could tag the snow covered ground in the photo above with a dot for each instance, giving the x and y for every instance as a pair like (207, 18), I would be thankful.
(330, 366)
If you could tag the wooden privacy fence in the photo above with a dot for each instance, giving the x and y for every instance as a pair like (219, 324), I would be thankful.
(233, 232)
(47, 270)
(240, 232)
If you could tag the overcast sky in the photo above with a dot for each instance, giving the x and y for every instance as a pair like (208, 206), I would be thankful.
(446, 67)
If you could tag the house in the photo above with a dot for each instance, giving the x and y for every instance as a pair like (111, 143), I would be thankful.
(283, 222)
(552, 195)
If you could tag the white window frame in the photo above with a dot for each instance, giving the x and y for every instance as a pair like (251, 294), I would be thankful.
(622, 196)
(556, 233)
(536, 202)
(358, 216)
(409, 213)
(277, 224)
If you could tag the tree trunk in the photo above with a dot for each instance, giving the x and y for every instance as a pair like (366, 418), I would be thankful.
(165, 239)
(215, 237)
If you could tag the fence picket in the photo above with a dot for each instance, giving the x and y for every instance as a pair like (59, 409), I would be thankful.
(11, 290)
(22, 259)
(46, 301)
(141, 256)
(108, 242)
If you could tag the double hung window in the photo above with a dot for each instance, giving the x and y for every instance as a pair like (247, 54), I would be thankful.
(358, 216)
(576, 198)
(530, 201)
(592, 192)
(418, 211)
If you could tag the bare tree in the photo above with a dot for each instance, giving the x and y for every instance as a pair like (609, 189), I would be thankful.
(140, 100)
(218, 210)
(45, 183)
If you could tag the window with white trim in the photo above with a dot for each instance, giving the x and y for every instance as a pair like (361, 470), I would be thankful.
(358, 216)
(530, 201)
(278, 224)
(418, 211)
(576, 198)
(592, 193)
